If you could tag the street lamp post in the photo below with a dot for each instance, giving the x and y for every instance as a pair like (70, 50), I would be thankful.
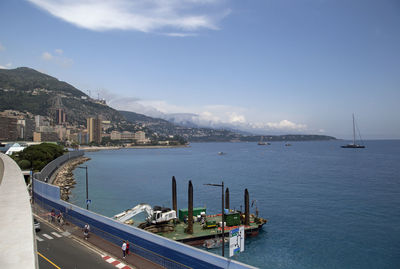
(87, 186)
(223, 215)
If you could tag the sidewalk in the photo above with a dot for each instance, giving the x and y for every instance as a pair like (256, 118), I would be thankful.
(97, 243)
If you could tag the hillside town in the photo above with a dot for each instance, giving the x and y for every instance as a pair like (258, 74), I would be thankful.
(24, 126)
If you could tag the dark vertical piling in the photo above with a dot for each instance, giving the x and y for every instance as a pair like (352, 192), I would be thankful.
(174, 203)
(227, 198)
(246, 208)
(190, 209)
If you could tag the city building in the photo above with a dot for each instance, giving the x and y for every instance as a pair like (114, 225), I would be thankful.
(45, 136)
(140, 137)
(94, 129)
(61, 117)
(115, 135)
(8, 128)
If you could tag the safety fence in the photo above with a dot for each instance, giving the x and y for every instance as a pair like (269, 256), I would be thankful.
(52, 166)
(160, 250)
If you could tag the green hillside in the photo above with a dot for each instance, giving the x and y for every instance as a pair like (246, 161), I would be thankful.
(27, 90)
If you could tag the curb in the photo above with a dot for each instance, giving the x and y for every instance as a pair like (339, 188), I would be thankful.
(115, 262)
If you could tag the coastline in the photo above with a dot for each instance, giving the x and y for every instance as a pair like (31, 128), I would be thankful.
(64, 177)
(97, 148)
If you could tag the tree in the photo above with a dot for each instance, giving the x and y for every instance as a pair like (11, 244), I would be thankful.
(37, 157)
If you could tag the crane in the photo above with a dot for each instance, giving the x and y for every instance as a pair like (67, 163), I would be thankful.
(156, 215)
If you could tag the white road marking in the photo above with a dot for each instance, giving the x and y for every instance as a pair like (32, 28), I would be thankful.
(110, 260)
(47, 236)
(39, 239)
(56, 234)
(66, 234)
(120, 265)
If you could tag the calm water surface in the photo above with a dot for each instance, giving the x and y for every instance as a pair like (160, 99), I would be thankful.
(327, 207)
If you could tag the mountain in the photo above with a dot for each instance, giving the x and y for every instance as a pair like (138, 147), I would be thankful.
(27, 90)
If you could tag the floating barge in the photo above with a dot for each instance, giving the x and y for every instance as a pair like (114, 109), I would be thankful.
(193, 226)
(201, 234)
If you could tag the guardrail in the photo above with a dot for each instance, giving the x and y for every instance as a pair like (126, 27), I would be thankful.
(52, 166)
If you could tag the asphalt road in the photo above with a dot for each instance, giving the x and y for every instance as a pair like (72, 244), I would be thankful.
(61, 251)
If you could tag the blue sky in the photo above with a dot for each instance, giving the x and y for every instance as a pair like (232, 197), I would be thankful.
(268, 66)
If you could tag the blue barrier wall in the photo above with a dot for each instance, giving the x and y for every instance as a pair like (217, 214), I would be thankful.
(52, 166)
(166, 252)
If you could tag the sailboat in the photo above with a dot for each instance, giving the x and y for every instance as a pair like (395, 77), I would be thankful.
(261, 142)
(354, 145)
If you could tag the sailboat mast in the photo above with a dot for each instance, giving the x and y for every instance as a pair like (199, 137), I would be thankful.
(354, 132)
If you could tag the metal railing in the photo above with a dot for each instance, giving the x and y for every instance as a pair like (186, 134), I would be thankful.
(52, 166)
(44, 210)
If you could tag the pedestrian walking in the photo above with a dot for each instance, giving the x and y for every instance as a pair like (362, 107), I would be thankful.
(127, 247)
(60, 218)
(86, 231)
(52, 215)
(123, 249)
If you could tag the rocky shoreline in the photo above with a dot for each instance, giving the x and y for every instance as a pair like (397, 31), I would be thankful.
(65, 178)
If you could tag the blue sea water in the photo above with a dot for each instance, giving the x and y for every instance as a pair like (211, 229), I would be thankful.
(327, 207)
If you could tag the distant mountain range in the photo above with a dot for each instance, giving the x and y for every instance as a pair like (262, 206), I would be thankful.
(27, 90)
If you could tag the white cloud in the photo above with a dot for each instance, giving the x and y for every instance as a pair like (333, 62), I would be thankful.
(7, 66)
(2, 47)
(144, 16)
(215, 116)
(282, 125)
(180, 34)
(47, 56)
(58, 59)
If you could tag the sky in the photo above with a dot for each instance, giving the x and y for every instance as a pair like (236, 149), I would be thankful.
(267, 66)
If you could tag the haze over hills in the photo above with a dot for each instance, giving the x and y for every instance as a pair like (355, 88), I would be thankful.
(27, 90)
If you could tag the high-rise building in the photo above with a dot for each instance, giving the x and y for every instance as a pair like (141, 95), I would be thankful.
(94, 129)
(8, 128)
(61, 117)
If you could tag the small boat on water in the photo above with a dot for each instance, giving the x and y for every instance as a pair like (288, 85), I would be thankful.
(261, 142)
(221, 153)
(354, 145)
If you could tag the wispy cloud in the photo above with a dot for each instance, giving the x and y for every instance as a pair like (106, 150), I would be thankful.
(57, 58)
(47, 56)
(215, 116)
(180, 34)
(2, 47)
(281, 125)
(144, 16)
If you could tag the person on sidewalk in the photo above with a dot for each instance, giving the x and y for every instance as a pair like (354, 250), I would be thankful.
(60, 218)
(127, 247)
(86, 231)
(123, 250)
(52, 215)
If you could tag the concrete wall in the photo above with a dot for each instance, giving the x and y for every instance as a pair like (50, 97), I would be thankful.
(18, 243)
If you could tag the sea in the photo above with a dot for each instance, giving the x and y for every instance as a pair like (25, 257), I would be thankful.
(327, 207)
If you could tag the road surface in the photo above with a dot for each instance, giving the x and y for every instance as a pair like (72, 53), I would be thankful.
(58, 250)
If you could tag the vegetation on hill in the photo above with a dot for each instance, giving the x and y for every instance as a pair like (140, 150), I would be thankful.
(27, 90)
(37, 156)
